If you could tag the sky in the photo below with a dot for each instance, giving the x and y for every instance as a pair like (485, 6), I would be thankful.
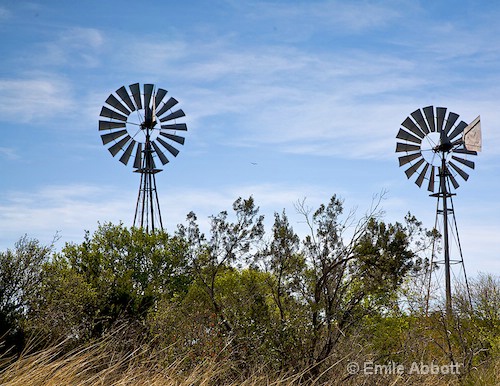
(284, 101)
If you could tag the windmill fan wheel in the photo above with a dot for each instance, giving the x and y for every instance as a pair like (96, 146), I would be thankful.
(430, 138)
(133, 119)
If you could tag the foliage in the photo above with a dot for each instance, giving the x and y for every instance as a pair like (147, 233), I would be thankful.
(239, 304)
(20, 273)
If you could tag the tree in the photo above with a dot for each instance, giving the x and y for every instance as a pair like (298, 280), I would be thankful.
(20, 273)
(114, 274)
(352, 268)
(227, 243)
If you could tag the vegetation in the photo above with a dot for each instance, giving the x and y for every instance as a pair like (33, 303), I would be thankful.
(238, 306)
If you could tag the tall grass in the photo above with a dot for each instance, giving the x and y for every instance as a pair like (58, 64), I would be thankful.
(104, 363)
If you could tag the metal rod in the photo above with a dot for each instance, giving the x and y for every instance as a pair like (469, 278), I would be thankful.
(444, 192)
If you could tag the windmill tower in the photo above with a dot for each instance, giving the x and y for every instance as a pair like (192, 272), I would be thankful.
(437, 149)
(141, 124)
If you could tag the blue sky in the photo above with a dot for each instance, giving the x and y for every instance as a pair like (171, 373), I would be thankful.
(284, 100)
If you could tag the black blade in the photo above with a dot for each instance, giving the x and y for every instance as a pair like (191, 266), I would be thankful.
(172, 150)
(112, 101)
(106, 125)
(406, 147)
(161, 155)
(463, 161)
(160, 94)
(105, 112)
(107, 138)
(176, 126)
(148, 92)
(138, 156)
(452, 118)
(123, 93)
(463, 174)
(167, 106)
(419, 118)
(430, 187)
(421, 176)
(136, 93)
(458, 130)
(119, 145)
(174, 138)
(410, 125)
(174, 115)
(454, 181)
(429, 115)
(128, 152)
(402, 134)
(407, 158)
(462, 151)
(412, 169)
(440, 114)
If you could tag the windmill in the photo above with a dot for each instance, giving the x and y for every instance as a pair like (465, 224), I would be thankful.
(438, 148)
(141, 124)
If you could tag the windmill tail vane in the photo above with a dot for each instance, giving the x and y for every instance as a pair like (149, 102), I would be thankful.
(141, 123)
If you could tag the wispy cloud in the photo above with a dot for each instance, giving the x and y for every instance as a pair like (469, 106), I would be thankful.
(39, 96)
(9, 153)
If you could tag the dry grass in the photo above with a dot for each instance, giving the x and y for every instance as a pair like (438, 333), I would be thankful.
(102, 364)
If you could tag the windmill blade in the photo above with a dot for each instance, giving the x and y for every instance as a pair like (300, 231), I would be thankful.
(119, 145)
(406, 147)
(421, 176)
(174, 115)
(107, 138)
(452, 118)
(419, 118)
(407, 158)
(440, 114)
(465, 151)
(458, 130)
(412, 169)
(128, 152)
(138, 156)
(112, 101)
(176, 126)
(106, 125)
(172, 150)
(174, 138)
(160, 94)
(164, 160)
(453, 181)
(402, 134)
(463, 174)
(123, 93)
(410, 125)
(463, 161)
(167, 106)
(106, 112)
(148, 92)
(429, 115)
(136, 93)
(430, 186)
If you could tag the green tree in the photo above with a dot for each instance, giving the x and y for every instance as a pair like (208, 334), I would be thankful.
(114, 274)
(227, 243)
(20, 274)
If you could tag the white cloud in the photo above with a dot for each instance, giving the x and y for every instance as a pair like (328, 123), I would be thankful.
(9, 153)
(73, 47)
(39, 96)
